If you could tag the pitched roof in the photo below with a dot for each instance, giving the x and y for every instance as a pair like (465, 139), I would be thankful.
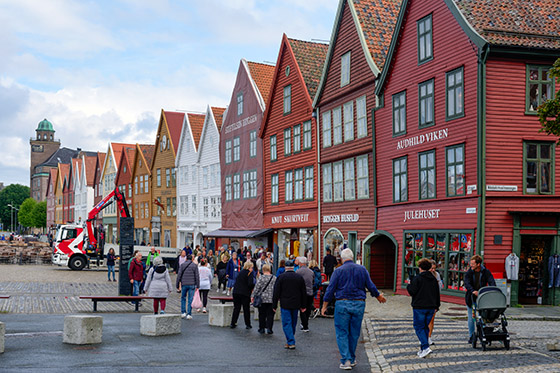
(514, 23)
(76, 167)
(118, 149)
(262, 75)
(148, 153)
(90, 169)
(218, 116)
(52, 180)
(377, 19)
(196, 122)
(62, 155)
(175, 125)
(310, 57)
(64, 170)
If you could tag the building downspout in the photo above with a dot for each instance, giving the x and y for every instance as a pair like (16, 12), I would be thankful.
(481, 147)
(318, 145)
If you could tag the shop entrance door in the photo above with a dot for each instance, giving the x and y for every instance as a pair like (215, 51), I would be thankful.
(533, 275)
(382, 262)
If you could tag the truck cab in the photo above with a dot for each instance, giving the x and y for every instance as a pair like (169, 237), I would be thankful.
(68, 248)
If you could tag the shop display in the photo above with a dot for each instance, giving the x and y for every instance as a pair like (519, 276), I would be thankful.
(512, 267)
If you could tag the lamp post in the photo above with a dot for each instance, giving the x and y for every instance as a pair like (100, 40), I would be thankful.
(12, 215)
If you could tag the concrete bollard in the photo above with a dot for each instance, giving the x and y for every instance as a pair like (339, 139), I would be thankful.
(220, 314)
(554, 346)
(157, 325)
(82, 329)
(2, 336)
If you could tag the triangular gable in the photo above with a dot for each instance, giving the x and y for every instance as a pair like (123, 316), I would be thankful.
(144, 152)
(209, 121)
(174, 123)
(374, 21)
(196, 123)
(126, 154)
(76, 172)
(262, 75)
(63, 169)
(218, 113)
(89, 169)
(51, 181)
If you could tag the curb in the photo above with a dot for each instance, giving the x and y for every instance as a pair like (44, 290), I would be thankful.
(376, 359)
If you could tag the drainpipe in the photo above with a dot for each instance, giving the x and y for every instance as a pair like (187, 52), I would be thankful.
(481, 146)
(318, 147)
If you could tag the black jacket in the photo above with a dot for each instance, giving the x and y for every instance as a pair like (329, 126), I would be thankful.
(290, 290)
(424, 290)
(329, 262)
(244, 283)
(486, 279)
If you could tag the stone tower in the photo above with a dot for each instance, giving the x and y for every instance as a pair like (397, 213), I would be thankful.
(43, 146)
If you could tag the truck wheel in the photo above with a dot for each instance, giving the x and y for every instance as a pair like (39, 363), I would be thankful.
(77, 263)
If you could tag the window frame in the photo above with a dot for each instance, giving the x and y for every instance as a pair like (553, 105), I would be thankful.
(537, 160)
(228, 188)
(287, 99)
(240, 103)
(327, 139)
(289, 181)
(422, 102)
(338, 183)
(345, 63)
(528, 83)
(427, 169)
(348, 124)
(296, 143)
(246, 187)
(400, 175)
(298, 185)
(236, 149)
(253, 144)
(360, 177)
(309, 183)
(327, 182)
(274, 189)
(400, 108)
(454, 87)
(287, 141)
(361, 119)
(273, 149)
(454, 164)
(421, 39)
(228, 152)
(237, 176)
(307, 135)
(337, 127)
(349, 178)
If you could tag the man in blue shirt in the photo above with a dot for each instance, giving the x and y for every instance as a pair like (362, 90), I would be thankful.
(348, 286)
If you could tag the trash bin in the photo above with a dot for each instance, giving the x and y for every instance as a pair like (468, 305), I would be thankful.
(503, 285)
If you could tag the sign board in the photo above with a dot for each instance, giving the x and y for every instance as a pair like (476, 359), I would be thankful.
(471, 210)
(421, 214)
(501, 188)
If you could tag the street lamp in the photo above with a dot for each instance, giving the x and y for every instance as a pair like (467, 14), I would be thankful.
(12, 214)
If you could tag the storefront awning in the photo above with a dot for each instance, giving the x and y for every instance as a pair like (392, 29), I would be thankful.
(238, 234)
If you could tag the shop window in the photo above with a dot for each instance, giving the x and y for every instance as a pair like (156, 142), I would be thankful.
(539, 87)
(287, 99)
(228, 151)
(327, 183)
(426, 103)
(399, 114)
(309, 183)
(297, 138)
(327, 130)
(274, 189)
(425, 52)
(539, 167)
(427, 174)
(333, 240)
(253, 144)
(337, 125)
(273, 151)
(455, 170)
(349, 180)
(361, 116)
(400, 180)
(307, 135)
(349, 121)
(454, 94)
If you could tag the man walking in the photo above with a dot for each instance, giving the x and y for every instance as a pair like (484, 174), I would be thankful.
(308, 277)
(424, 290)
(475, 278)
(136, 273)
(188, 281)
(329, 262)
(290, 290)
(348, 286)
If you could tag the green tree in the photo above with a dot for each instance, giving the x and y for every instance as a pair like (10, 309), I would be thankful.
(13, 194)
(549, 111)
(25, 214)
(40, 215)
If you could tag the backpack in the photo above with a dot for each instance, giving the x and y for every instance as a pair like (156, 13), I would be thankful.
(317, 281)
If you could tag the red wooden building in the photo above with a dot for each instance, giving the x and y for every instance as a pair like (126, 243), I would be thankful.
(123, 180)
(290, 151)
(241, 157)
(344, 102)
(461, 167)
(98, 193)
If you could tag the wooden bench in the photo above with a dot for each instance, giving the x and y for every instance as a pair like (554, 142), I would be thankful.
(4, 297)
(222, 299)
(107, 298)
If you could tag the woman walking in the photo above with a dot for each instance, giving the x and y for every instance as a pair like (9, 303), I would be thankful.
(158, 284)
(222, 278)
(265, 289)
(205, 275)
(242, 295)
(111, 264)
(232, 270)
(440, 284)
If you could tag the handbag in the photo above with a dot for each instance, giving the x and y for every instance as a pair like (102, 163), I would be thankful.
(257, 299)
(197, 302)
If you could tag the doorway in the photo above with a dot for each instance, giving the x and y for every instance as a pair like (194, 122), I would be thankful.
(533, 276)
(382, 261)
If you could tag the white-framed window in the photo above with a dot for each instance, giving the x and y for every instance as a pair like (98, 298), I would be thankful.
(298, 184)
(245, 184)
(345, 69)
(146, 210)
(194, 209)
(349, 121)
(205, 177)
(337, 125)
(327, 183)
(349, 180)
(213, 207)
(236, 149)
(362, 168)
(228, 151)
(239, 103)
(287, 141)
(212, 175)
(297, 138)
(135, 185)
(167, 177)
(327, 130)
(309, 183)
(253, 184)
(361, 117)
(307, 135)
(182, 205)
(228, 188)
(205, 207)
(141, 183)
(399, 113)
(289, 181)
(274, 189)
(287, 99)
(273, 149)
(253, 144)
(146, 190)
(236, 186)
(338, 182)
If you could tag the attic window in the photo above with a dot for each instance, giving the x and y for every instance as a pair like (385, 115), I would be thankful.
(345, 69)
(240, 103)
(124, 169)
(287, 71)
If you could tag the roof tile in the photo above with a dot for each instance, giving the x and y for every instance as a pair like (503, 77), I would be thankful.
(218, 115)
(197, 122)
(310, 57)
(175, 125)
(262, 74)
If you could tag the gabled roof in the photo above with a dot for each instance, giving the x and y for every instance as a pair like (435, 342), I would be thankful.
(76, 170)
(174, 122)
(209, 120)
(144, 152)
(63, 170)
(374, 21)
(62, 155)
(512, 23)
(126, 155)
(262, 75)
(310, 58)
(196, 122)
(218, 113)
(52, 180)
(89, 163)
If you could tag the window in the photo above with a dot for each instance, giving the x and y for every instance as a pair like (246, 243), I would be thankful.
(205, 207)
(298, 184)
(327, 131)
(167, 177)
(454, 170)
(362, 167)
(349, 121)
(273, 153)
(245, 184)
(425, 39)
(345, 69)
(307, 135)
(309, 190)
(182, 203)
(194, 211)
(287, 141)
(399, 114)
(239, 103)
(400, 180)
(236, 149)
(236, 186)
(174, 206)
(214, 207)
(173, 177)
(274, 189)
(146, 210)
(253, 184)
(539, 167)
(158, 177)
(327, 183)
(168, 206)
(212, 175)
(426, 103)
(129, 190)
(349, 180)
(228, 151)
(287, 99)
(136, 211)
(205, 177)
(297, 138)
(289, 186)
(146, 183)
(228, 188)
(454, 96)
(135, 185)
(337, 125)
(540, 87)
(361, 116)
(427, 174)
(338, 182)
(253, 144)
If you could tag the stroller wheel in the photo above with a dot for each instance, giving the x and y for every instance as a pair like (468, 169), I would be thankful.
(474, 341)
(506, 345)
(483, 344)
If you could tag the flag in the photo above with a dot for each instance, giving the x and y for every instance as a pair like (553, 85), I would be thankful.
(157, 202)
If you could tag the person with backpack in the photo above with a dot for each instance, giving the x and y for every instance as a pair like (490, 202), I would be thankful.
(265, 289)
(205, 281)
(151, 256)
(317, 282)
(188, 281)
(158, 284)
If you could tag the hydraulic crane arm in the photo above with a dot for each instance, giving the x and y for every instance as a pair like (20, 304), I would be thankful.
(122, 208)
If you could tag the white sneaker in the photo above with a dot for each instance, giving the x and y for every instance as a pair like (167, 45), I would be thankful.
(189, 317)
(218, 291)
(346, 365)
(223, 292)
(430, 342)
(183, 315)
(227, 293)
(425, 353)
(198, 310)
(203, 309)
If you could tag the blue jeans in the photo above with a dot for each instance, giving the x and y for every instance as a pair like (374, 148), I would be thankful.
(421, 322)
(471, 321)
(289, 322)
(136, 287)
(184, 289)
(348, 316)
(110, 269)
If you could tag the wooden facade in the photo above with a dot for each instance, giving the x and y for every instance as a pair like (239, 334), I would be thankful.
(141, 192)
(98, 187)
(123, 179)
(50, 198)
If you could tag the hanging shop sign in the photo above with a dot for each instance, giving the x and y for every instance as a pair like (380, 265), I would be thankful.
(423, 138)
(341, 218)
(421, 214)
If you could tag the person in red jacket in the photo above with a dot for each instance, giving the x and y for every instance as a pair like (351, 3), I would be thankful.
(136, 273)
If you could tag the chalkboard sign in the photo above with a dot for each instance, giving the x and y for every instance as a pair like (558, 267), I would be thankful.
(126, 251)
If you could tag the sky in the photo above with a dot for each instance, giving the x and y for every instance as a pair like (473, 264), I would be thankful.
(101, 71)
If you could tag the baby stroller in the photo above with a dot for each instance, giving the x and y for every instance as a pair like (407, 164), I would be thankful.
(489, 316)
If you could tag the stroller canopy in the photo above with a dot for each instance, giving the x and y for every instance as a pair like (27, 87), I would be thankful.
(491, 297)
